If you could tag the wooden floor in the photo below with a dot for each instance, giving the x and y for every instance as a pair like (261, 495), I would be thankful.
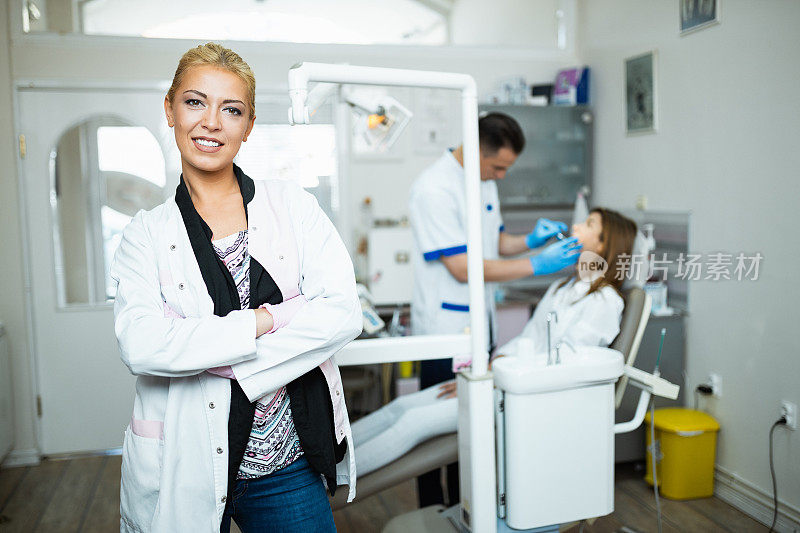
(82, 495)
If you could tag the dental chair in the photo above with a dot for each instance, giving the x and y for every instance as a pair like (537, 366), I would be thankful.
(442, 450)
(631, 330)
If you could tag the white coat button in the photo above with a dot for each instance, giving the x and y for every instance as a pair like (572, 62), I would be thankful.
(219, 450)
(223, 499)
(181, 286)
(280, 258)
(254, 228)
(172, 247)
(211, 405)
(337, 393)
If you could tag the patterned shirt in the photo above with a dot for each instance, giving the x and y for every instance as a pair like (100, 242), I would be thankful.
(273, 443)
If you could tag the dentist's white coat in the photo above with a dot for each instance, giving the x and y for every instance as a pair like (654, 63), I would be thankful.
(175, 478)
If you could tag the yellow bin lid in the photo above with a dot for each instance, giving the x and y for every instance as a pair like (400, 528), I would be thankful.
(680, 420)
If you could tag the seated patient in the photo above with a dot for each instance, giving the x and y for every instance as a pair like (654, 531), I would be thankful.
(589, 313)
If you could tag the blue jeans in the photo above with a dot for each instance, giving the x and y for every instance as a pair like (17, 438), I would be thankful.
(290, 500)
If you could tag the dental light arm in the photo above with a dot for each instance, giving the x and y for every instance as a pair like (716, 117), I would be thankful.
(651, 385)
(313, 100)
(302, 99)
(318, 95)
(476, 443)
(378, 120)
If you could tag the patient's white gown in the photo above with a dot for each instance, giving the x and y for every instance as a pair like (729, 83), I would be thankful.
(396, 428)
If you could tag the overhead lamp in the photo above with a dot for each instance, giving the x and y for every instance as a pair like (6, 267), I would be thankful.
(378, 119)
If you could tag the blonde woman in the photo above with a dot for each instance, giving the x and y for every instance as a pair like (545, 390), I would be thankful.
(232, 297)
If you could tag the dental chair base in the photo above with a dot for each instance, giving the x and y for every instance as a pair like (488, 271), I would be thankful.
(428, 520)
(437, 519)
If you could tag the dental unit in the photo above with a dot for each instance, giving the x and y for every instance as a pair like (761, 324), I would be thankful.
(536, 434)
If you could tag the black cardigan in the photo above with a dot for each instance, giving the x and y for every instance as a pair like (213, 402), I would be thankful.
(309, 397)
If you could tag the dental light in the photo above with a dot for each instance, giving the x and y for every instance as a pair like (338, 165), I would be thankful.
(379, 120)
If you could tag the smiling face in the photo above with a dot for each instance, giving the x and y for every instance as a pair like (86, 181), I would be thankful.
(589, 232)
(210, 118)
(495, 165)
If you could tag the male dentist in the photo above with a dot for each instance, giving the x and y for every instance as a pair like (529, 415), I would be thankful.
(440, 301)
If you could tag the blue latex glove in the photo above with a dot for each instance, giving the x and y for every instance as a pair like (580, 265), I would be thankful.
(545, 228)
(558, 255)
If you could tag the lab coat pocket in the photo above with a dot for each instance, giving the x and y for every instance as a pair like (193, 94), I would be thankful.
(141, 473)
(453, 317)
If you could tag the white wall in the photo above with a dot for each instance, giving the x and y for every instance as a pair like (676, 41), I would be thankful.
(504, 22)
(106, 61)
(727, 151)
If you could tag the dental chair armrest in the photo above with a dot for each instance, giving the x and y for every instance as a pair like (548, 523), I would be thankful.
(652, 383)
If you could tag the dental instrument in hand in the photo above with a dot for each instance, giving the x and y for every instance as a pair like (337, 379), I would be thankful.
(544, 230)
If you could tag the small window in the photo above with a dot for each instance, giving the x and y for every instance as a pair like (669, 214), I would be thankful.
(132, 172)
(103, 172)
(130, 149)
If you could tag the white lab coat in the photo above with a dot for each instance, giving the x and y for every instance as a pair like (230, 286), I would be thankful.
(174, 473)
(583, 320)
(438, 213)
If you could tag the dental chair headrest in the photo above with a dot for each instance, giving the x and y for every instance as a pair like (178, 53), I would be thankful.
(639, 268)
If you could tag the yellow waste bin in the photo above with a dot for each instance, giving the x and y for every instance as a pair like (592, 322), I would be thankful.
(686, 442)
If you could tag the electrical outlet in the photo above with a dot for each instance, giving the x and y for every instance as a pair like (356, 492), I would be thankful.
(789, 410)
(641, 202)
(715, 380)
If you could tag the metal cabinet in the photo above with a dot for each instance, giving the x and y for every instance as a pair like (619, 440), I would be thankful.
(556, 161)
(391, 274)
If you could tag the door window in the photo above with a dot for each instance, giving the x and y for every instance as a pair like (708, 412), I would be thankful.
(103, 171)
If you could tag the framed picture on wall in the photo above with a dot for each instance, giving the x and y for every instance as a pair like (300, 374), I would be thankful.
(640, 93)
(432, 127)
(698, 14)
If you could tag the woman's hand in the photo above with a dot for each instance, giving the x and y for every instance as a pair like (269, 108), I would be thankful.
(447, 390)
(264, 322)
(279, 314)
